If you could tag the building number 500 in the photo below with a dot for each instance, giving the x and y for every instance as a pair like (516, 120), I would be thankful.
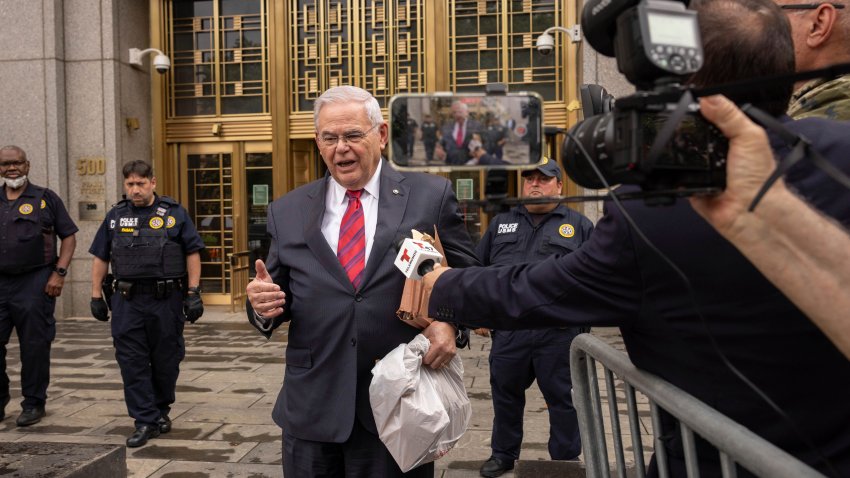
(91, 166)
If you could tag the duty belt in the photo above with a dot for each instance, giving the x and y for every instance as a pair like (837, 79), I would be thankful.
(158, 288)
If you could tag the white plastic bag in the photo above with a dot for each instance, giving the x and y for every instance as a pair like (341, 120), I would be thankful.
(420, 412)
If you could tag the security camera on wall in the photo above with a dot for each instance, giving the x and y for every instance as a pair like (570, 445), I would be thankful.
(161, 62)
(545, 43)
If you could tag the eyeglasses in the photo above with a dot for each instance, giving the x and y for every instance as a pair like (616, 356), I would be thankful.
(809, 6)
(16, 163)
(353, 137)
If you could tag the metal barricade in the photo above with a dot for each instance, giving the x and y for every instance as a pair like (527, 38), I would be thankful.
(734, 443)
(240, 268)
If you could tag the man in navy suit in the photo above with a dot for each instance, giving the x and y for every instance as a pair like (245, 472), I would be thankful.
(343, 318)
(455, 135)
(678, 328)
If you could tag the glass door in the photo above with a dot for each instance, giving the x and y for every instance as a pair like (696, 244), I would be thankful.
(260, 192)
(227, 187)
(208, 196)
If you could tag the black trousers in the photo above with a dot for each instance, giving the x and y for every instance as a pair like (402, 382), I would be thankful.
(25, 307)
(363, 455)
(517, 359)
(148, 337)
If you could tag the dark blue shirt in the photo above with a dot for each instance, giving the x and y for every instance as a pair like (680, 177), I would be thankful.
(513, 238)
(429, 132)
(178, 225)
(492, 135)
(51, 214)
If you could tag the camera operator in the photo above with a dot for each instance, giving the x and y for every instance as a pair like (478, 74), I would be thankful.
(670, 326)
(821, 32)
(810, 269)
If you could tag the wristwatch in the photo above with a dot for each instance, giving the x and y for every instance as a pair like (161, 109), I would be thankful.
(194, 290)
(461, 338)
(61, 271)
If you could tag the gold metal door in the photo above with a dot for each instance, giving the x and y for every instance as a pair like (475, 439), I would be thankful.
(226, 187)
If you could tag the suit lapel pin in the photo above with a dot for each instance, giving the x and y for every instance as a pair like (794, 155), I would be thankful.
(395, 191)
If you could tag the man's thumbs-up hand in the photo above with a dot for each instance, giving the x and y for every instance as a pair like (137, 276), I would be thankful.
(265, 296)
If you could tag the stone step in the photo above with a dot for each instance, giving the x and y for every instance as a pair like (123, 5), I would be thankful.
(62, 460)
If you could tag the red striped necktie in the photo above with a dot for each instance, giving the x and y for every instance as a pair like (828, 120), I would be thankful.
(351, 249)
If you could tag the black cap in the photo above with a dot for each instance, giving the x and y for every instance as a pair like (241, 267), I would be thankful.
(547, 167)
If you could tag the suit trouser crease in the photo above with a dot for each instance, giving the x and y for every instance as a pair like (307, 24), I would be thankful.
(26, 308)
(147, 335)
(362, 455)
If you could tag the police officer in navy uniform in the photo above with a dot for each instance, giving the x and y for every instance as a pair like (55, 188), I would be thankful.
(153, 248)
(412, 126)
(530, 233)
(31, 277)
(429, 132)
(495, 137)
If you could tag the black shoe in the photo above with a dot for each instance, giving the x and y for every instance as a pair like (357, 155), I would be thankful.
(142, 435)
(3, 407)
(494, 467)
(30, 416)
(164, 424)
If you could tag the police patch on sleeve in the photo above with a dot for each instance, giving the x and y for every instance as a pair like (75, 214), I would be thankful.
(567, 230)
(25, 208)
(43, 204)
(156, 222)
(170, 222)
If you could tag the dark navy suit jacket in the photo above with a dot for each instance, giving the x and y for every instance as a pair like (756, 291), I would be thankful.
(336, 333)
(458, 154)
(615, 279)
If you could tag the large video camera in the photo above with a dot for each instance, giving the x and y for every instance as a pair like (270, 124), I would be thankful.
(655, 138)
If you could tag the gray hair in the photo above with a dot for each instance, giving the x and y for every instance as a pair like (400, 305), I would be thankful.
(349, 94)
(461, 105)
(12, 147)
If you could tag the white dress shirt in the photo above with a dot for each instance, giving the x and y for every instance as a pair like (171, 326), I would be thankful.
(336, 202)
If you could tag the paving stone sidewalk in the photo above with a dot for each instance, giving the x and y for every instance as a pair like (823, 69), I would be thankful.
(222, 417)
